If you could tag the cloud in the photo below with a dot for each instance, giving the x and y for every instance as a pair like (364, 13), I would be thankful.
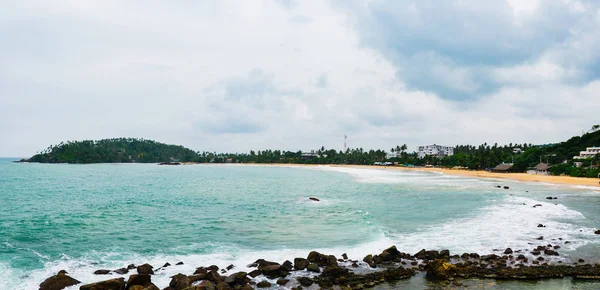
(297, 75)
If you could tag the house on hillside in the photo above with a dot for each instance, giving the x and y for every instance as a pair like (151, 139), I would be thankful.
(503, 168)
(588, 153)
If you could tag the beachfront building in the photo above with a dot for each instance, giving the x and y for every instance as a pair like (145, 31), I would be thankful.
(540, 169)
(309, 155)
(588, 153)
(504, 168)
(435, 150)
(392, 155)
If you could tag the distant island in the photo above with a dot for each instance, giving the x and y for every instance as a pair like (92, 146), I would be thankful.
(556, 159)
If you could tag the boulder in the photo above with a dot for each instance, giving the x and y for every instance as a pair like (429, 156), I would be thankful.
(506, 187)
(263, 284)
(271, 270)
(58, 281)
(131, 266)
(145, 269)
(313, 199)
(344, 256)
(112, 284)
(321, 259)
(214, 276)
(179, 282)
(368, 259)
(166, 265)
(551, 252)
(121, 271)
(287, 266)
(213, 268)
(540, 238)
(230, 267)
(597, 232)
(334, 271)
(313, 267)
(101, 272)
(440, 270)
(254, 273)
(223, 286)
(549, 197)
(508, 251)
(200, 271)
(179, 264)
(238, 278)
(204, 285)
(138, 279)
(305, 281)
(282, 281)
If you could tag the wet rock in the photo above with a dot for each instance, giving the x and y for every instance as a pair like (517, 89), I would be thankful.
(444, 254)
(313, 267)
(536, 205)
(112, 284)
(541, 226)
(214, 276)
(101, 272)
(440, 270)
(238, 278)
(121, 271)
(427, 255)
(498, 186)
(597, 232)
(254, 273)
(334, 271)
(581, 261)
(287, 266)
(138, 279)
(204, 285)
(200, 271)
(179, 282)
(321, 259)
(282, 281)
(58, 281)
(305, 281)
(354, 265)
(508, 251)
(223, 286)
(263, 284)
(145, 269)
(131, 267)
(344, 256)
(300, 263)
(229, 267)
(166, 265)
(506, 187)
(179, 264)
(556, 247)
(540, 258)
(368, 259)
(313, 199)
(549, 197)
(540, 238)
(212, 268)
(551, 252)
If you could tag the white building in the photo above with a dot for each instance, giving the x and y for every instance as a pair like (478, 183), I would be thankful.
(435, 150)
(588, 153)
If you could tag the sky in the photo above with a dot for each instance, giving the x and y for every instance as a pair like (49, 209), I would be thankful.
(231, 76)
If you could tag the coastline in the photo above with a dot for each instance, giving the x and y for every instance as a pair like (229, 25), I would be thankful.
(522, 177)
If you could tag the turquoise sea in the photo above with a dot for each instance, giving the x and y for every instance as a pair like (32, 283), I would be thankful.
(105, 216)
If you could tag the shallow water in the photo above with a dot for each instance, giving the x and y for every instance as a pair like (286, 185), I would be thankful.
(86, 217)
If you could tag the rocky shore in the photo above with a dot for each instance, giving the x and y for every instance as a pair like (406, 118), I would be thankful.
(319, 270)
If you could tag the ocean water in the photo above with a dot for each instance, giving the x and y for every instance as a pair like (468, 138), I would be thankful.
(105, 216)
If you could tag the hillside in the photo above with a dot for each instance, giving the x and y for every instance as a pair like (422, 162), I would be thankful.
(117, 150)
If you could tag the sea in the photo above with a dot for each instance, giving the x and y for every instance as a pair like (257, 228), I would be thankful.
(82, 218)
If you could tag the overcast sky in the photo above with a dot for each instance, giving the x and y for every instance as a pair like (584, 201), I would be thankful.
(231, 76)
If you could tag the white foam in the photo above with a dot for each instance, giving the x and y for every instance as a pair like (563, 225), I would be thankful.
(507, 224)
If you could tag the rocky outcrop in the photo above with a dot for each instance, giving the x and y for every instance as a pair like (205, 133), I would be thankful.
(300, 263)
(440, 270)
(179, 282)
(58, 281)
(112, 284)
(139, 279)
(145, 269)
(321, 259)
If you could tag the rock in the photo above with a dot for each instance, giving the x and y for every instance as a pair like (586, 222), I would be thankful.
(321, 259)
(313, 267)
(166, 265)
(549, 197)
(597, 232)
(214, 276)
(131, 267)
(212, 268)
(427, 255)
(313, 199)
(498, 186)
(282, 281)
(581, 261)
(551, 252)
(102, 272)
(508, 251)
(112, 284)
(506, 187)
(238, 278)
(121, 271)
(145, 269)
(204, 285)
(200, 271)
(223, 286)
(58, 281)
(138, 279)
(263, 284)
(541, 226)
(536, 205)
(230, 267)
(287, 266)
(305, 281)
(440, 270)
(368, 259)
(271, 271)
(334, 271)
(180, 282)
(344, 256)
(540, 238)
(254, 273)
(179, 264)
(521, 257)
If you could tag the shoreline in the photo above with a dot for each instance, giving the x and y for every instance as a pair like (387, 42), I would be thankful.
(522, 177)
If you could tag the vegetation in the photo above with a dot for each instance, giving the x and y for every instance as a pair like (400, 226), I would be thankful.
(483, 157)
(113, 151)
